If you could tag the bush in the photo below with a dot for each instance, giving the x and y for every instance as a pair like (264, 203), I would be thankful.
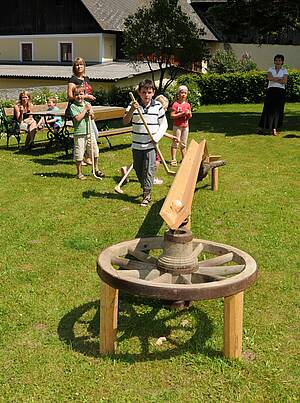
(225, 61)
(194, 94)
(239, 87)
(40, 97)
(7, 103)
(115, 97)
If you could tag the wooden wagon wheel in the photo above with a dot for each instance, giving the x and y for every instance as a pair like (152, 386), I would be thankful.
(133, 266)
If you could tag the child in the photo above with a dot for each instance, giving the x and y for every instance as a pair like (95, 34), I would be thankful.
(56, 121)
(181, 113)
(165, 103)
(156, 181)
(26, 121)
(143, 150)
(81, 112)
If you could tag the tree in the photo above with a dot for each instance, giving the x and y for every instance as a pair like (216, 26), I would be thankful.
(162, 33)
(225, 61)
(256, 20)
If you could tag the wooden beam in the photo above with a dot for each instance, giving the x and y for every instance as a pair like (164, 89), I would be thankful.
(108, 319)
(215, 179)
(178, 203)
(233, 325)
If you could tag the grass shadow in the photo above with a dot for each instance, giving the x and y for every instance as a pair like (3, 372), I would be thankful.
(152, 222)
(235, 123)
(109, 195)
(141, 320)
(55, 175)
(114, 147)
(52, 161)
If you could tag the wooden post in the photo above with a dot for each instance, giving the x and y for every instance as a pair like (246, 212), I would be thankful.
(215, 179)
(233, 325)
(108, 318)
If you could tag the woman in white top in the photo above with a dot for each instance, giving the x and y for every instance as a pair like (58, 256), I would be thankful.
(272, 114)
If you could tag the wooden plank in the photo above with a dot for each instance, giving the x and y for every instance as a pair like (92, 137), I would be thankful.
(108, 112)
(108, 319)
(38, 108)
(215, 179)
(101, 112)
(178, 203)
(115, 132)
(233, 325)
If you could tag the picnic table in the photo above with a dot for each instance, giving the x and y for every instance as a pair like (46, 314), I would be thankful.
(102, 114)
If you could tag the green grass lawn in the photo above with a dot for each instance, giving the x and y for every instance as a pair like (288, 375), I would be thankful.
(53, 226)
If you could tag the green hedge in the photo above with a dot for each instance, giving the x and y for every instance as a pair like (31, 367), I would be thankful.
(115, 97)
(236, 87)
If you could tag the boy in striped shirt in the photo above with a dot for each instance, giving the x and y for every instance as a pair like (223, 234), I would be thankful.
(143, 150)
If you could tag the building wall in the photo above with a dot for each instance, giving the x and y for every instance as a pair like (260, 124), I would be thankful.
(109, 47)
(92, 47)
(263, 55)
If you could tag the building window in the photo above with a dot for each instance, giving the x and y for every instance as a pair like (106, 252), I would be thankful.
(26, 52)
(66, 52)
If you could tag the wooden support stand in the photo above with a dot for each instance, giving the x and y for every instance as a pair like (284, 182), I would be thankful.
(233, 325)
(215, 179)
(108, 319)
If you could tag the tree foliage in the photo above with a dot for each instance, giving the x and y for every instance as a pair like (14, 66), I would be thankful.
(256, 20)
(225, 61)
(164, 34)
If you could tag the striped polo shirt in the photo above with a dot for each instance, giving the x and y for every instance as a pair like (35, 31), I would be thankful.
(154, 115)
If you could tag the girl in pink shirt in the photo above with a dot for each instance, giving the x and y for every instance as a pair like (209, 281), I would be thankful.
(181, 113)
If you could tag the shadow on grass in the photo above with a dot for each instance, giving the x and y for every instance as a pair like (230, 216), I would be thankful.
(55, 175)
(114, 147)
(236, 123)
(152, 222)
(141, 322)
(53, 161)
(109, 195)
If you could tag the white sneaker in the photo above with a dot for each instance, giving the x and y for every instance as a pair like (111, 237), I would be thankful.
(157, 181)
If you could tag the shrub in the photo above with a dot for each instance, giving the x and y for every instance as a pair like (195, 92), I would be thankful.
(238, 87)
(225, 61)
(40, 97)
(7, 103)
(115, 97)
(194, 94)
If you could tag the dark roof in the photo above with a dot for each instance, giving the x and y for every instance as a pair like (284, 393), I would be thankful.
(110, 14)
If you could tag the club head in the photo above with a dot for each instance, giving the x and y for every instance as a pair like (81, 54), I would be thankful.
(118, 190)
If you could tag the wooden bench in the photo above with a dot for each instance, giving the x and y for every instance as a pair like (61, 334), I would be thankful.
(37, 108)
(114, 132)
(9, 112)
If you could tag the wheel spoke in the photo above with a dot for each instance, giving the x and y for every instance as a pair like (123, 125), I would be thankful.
(221, 270)
(130, 264)
(198, 278)
(216, 261)
(184, 279)
(164, 278)
(144, 257)
(198, 249)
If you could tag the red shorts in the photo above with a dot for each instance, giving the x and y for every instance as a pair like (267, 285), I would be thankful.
(157, 158)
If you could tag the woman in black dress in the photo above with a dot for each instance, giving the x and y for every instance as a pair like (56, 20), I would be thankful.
(272, 114)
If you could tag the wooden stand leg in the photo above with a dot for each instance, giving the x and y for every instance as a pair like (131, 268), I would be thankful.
(108, 318)
(215, 179)
(233, 325)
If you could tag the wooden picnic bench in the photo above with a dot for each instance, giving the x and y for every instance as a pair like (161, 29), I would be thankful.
(114, 132)
(102, 115)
